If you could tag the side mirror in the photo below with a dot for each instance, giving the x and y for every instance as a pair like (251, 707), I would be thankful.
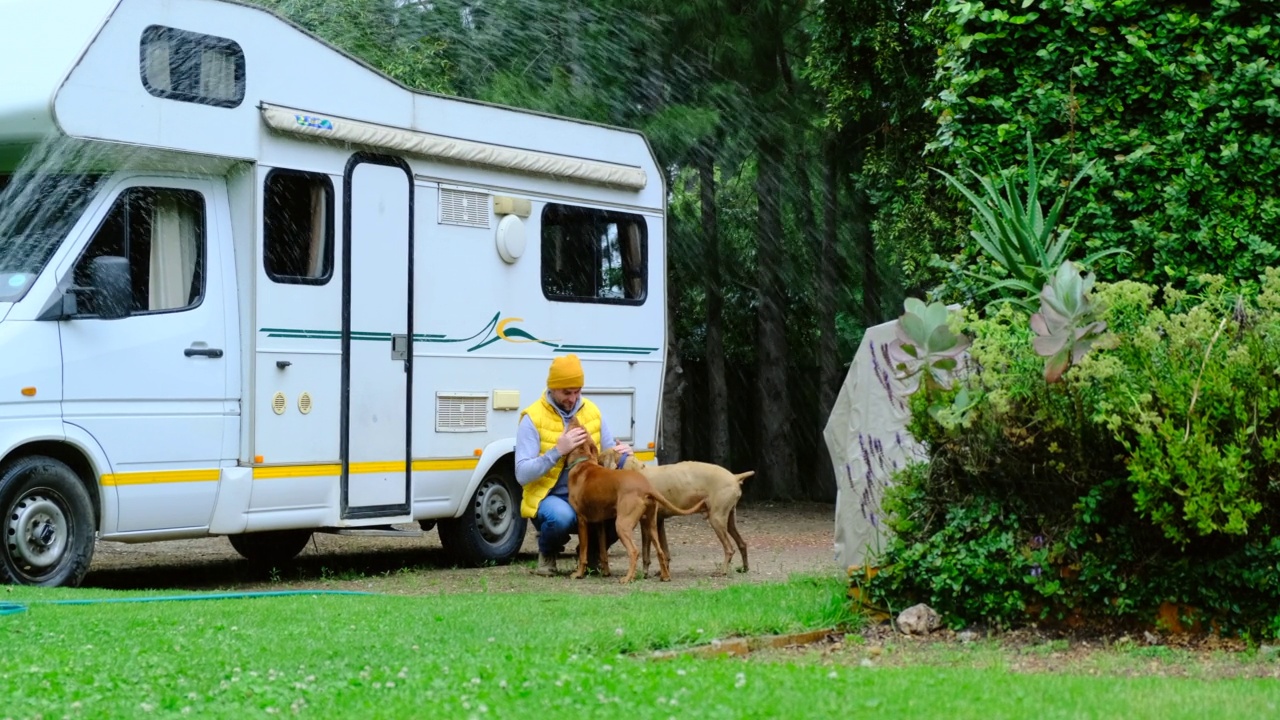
(112, 286)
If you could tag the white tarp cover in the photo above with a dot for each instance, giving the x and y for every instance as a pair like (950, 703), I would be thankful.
(867, 439)
(452, 149)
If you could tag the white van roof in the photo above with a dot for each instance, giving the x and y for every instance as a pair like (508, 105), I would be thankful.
(40, 42)
(83, 78)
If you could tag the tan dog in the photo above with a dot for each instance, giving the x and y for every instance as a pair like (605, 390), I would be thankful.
(689, 481)
(598, 494)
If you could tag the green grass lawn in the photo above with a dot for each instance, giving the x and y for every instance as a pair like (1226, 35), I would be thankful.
(514, 655)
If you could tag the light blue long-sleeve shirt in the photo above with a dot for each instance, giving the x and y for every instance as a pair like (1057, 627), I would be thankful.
(530, 465)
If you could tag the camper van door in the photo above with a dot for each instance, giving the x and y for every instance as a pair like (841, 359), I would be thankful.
(152, 387)
(377, 337)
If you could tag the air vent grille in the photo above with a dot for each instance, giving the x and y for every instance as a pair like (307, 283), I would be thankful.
(462, 412)
(462, 207)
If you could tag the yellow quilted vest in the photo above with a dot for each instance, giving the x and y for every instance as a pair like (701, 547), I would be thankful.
(550, 427)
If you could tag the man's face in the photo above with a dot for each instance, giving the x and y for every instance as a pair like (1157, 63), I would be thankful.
(566, 398)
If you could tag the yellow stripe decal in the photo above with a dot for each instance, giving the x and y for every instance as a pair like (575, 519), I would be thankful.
(161, 476)
(452, 464)
(646, 456)
(298, 471)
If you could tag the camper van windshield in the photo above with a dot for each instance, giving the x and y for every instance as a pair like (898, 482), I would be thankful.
(36, 213)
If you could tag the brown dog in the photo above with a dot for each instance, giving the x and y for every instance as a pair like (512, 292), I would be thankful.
(690, 481)
(598, 494)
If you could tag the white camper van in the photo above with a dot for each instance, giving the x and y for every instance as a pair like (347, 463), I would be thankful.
(251, 287)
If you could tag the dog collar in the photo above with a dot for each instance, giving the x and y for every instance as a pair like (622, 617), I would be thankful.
(569, 465)
(622, 459)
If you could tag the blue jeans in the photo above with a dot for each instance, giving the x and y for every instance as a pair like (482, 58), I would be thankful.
(555, 521)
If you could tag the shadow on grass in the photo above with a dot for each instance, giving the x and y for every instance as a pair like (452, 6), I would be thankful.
(310, 567)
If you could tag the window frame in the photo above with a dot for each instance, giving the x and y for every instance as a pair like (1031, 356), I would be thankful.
(202, 258)
(198, 41)
(330, 232)
(610, 215)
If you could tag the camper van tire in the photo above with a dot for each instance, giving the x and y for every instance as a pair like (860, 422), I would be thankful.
(490, 530)
(270, 547)
(48, 523)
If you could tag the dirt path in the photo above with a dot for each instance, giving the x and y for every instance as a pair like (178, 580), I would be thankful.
(781, 539)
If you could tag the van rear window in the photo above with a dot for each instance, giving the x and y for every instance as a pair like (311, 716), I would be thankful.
(191, 67)
(591, 255)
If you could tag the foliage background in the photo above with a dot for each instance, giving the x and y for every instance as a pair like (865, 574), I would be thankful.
(1177, 100)
(799, 139)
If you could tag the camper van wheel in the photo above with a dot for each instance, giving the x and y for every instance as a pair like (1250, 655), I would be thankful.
(490, 529)
(47, 524)
(270, 547)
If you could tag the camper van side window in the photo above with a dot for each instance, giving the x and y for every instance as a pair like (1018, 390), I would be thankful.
(187, 66)
(591, 255)
(297, 228)
(162, 233)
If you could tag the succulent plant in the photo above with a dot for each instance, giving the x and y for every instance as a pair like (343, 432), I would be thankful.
(1066, 326)
(1016, 231)
(925, 345)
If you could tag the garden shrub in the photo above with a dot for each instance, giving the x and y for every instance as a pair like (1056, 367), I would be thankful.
(1149, 474)
(1176, 100)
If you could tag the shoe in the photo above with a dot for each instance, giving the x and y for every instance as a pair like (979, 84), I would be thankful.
(546, 565)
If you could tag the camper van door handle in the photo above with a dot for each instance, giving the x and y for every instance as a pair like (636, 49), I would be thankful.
(206, 352)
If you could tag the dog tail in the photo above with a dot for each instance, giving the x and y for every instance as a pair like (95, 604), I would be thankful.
(743, 476)
(664, 502)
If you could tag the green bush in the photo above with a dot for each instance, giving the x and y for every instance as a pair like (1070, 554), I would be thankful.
(1177, 100)
(1149, 474)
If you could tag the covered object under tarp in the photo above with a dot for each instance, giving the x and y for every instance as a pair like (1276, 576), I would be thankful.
(867, 439)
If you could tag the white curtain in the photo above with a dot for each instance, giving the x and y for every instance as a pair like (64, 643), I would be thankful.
(173, 254)
(157, 67)
(217, 75)
(319, 233)
(632, 247)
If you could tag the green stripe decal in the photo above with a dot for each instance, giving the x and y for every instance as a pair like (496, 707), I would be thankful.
(498, 329)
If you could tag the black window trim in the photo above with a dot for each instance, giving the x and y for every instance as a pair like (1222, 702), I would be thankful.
(329, 230)
(579, 299)
(204, 246)
(152, 32)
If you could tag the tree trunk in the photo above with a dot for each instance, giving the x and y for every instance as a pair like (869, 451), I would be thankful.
(669, 443)
(717, 385)
(776, 463)
(820, 485)
(828, 276)
(828, 348)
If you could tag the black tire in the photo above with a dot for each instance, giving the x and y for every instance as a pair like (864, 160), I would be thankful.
(270, 547)
(490, 530)
(48, 524)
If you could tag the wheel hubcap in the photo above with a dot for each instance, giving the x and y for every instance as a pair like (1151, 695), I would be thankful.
(37, 532)
(493, 511)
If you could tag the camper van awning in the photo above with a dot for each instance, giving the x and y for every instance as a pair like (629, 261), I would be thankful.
(447, 149)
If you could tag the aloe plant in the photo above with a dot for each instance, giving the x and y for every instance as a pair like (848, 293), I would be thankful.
(1015, 231)
(924, 345)
(1066, 326)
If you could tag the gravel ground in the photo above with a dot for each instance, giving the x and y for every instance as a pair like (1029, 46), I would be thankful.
(782, 539)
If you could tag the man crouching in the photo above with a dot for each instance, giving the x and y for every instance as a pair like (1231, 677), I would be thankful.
(543, 439)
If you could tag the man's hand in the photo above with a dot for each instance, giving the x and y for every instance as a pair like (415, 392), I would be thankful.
(571, 439)
(623, 448)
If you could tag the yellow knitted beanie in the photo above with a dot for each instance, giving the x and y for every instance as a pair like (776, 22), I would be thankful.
(566, 372)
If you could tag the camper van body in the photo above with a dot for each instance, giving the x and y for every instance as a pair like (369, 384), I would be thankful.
(340, 293)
